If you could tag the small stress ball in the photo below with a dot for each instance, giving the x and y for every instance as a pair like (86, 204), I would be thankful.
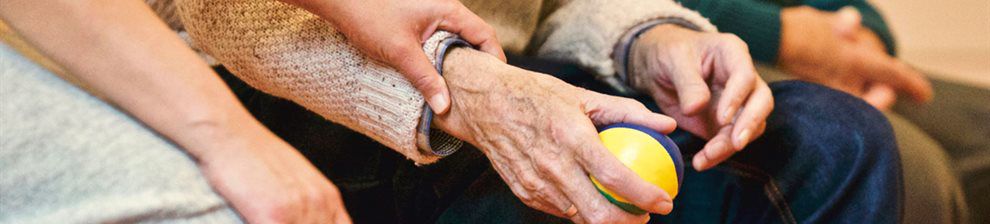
(651, 155)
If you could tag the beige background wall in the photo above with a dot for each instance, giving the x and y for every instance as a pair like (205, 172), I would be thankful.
(951, 38)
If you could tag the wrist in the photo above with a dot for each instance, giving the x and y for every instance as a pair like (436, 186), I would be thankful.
(471, 71)
(220, 132)
(477, 82)
(645, 53)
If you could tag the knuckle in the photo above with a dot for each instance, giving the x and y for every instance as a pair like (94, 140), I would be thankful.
(548, 164)
(488, 31)
(281, 210)
(527, 199)
(317, 198)
(733, 41)
(532, 183)
(561, 135)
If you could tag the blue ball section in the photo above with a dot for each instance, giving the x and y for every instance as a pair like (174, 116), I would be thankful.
(666, 142)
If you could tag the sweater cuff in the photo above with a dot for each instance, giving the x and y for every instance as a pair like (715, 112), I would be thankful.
(620, 56)
(586, 32)
(433, 141)
(755, 22)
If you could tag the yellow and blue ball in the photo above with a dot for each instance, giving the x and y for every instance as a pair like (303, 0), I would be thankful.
(651, 155)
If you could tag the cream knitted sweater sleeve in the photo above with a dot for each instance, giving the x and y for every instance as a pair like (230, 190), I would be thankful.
(586, 32)
(290, 53)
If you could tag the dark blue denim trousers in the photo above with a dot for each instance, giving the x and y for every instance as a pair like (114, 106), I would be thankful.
(826, 157)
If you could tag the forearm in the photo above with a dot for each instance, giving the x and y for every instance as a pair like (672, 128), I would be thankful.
(291, 53)
(121, 50)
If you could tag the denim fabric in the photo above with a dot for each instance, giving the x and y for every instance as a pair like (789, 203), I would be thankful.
(825, 157)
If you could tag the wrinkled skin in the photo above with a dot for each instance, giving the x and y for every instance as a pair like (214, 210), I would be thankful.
(705, 81)
(539, 134)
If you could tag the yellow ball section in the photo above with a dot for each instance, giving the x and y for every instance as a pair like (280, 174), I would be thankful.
(642, 154)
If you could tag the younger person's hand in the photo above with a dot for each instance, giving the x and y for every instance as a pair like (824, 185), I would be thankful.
(393, 31)
(265, 179)
(835, 50)
(705, 81)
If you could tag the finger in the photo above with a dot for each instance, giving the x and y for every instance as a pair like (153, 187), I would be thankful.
(847, 22)
(410, 60)
(474, 30)
(561, 206)
(880, 68)
(592, 207)
(880, 96)
(607, 110)
(735, 64)
(617, 177)
(522, 177)
(544, 196)
(718, 149)
(692, 90)
(758, 107)
(554, 202)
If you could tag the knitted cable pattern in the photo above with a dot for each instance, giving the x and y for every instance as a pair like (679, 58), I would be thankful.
(293, 54)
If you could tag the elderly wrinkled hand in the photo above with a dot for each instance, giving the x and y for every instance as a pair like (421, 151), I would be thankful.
(539, 134)
(705, 81)
(393, 32)
(835, 50)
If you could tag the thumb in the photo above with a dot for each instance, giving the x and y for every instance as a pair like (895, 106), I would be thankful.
(474, 30)
(847, 21)
(410, 60)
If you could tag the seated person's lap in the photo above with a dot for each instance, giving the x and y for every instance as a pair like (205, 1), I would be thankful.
(824, 153)
(80, 160)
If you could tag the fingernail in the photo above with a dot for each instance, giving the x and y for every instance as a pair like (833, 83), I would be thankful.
(438, 103)
(699, 161)
(663, 206)
(666, 207)
(742, 138)
(727, 115)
